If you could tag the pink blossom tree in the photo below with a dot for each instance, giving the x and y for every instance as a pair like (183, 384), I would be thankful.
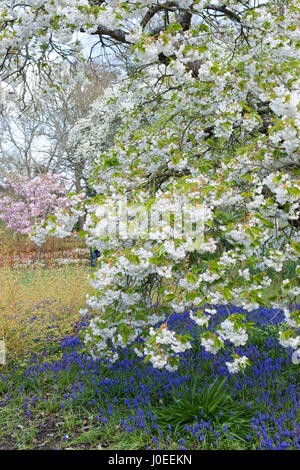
(26, 201)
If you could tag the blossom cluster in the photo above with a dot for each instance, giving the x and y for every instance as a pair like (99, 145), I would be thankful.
(26, 201)
(60, 223)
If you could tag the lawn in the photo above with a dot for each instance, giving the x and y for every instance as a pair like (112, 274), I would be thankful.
(53, 395)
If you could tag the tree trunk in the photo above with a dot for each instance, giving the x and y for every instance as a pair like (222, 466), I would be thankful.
(78, 176)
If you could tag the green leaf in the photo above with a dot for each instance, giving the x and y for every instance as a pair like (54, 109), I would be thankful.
(245, 106)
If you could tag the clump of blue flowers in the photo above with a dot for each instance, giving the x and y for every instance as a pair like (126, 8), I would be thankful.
(199, 406)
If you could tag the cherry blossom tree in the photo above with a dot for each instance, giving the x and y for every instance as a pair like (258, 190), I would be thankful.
(213, 121)
(25, 201)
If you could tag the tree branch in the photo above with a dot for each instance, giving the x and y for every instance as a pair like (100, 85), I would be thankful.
(116, 34)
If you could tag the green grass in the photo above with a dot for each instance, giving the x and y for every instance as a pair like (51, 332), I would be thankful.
(211, 402)
(49, 424)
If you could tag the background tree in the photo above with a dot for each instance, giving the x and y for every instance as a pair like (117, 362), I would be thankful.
(26, 201)
(34, 138)
(35, 129)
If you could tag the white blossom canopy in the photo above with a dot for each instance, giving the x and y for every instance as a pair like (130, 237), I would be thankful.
(213, 118)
